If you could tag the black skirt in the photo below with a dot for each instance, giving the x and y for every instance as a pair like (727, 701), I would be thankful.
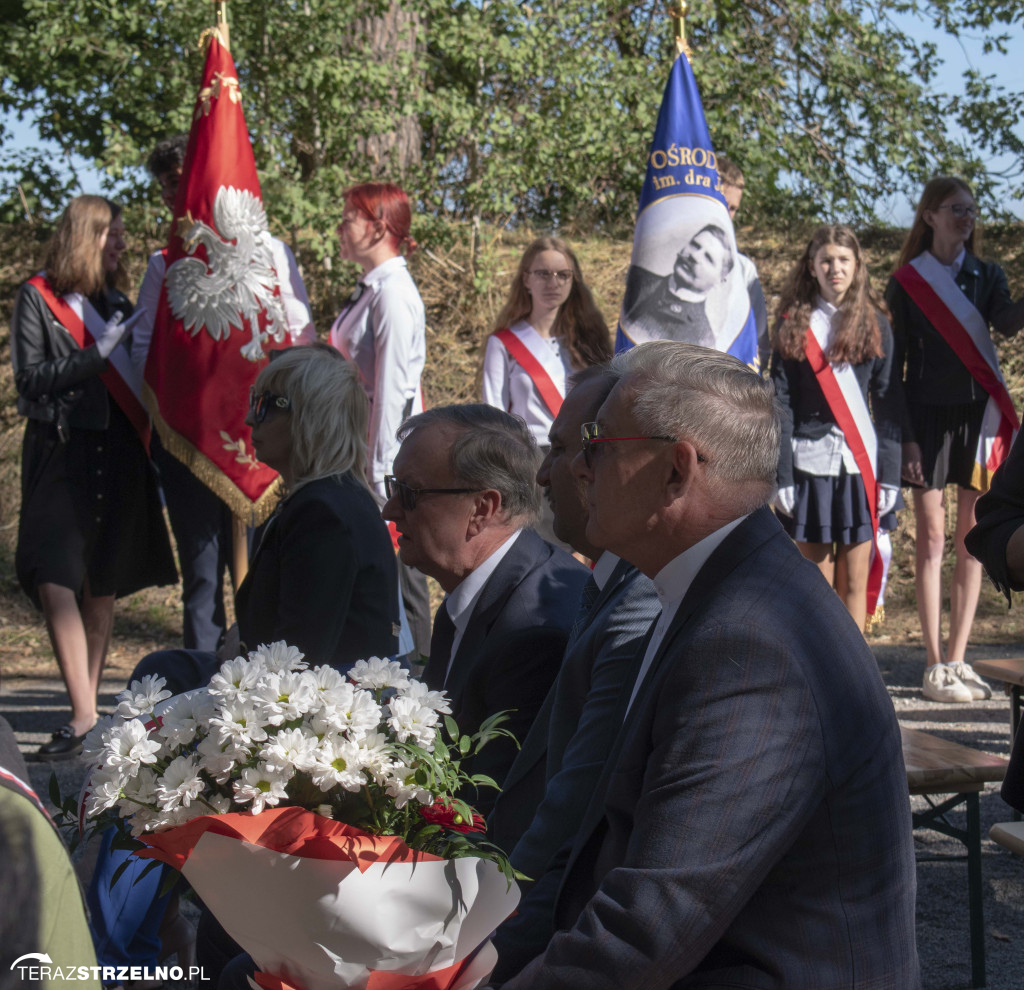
(90, 510)
(829, 510)
(948, 438)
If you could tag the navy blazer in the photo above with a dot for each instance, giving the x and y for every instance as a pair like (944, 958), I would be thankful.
(512, 649)
(752, 826)
(324, 578)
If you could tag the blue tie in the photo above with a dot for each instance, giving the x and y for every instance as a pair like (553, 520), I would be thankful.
(441, 640)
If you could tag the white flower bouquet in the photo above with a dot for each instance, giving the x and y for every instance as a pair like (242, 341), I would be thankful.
(315, 816)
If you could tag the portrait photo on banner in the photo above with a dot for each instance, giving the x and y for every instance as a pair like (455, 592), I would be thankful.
(684, 282)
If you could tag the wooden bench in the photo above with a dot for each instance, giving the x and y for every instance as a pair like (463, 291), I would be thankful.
(935, 766)
(1009, 835)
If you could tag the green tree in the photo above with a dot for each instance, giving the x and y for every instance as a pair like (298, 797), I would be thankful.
(492, 111)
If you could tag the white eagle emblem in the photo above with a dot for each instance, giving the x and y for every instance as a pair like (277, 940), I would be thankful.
(236, 282)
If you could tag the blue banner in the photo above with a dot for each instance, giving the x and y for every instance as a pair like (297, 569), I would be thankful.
(685, 279)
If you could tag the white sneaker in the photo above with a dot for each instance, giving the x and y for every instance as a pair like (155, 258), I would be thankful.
(965, 674)
(941, 684)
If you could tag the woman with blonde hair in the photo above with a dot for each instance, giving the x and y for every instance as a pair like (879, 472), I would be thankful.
(548, 329)
(90, 528)
(839, 459)
(958, 418)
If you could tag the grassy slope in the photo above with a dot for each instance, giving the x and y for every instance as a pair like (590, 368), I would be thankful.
(462, 300)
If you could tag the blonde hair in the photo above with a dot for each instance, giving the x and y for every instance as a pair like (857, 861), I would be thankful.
(330, 414)
(74, 258)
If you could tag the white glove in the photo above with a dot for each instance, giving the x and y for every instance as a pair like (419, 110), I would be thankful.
(785, 501)
(886, 499)
(114, 331)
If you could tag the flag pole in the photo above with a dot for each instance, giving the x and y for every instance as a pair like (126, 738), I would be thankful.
(221, 8)
(240, 537)
(677, 11)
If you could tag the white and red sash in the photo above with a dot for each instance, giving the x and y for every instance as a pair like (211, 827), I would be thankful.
(930, 285)
(76, 314)
(850, 411)
(533, 353)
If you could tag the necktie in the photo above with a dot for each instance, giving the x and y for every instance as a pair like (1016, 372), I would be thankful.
(441, 640)
(587, 599)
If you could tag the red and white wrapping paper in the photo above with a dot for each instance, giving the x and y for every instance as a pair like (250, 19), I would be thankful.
(321, 905)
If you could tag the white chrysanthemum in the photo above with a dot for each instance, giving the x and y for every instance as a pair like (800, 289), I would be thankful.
(105, 786)
(220, 803)
(145, 820)
(264, 787)
(241, 721)
(437, 700)
(185, 716)
(235, 679)
(180, 783)
(96, 737)
(359, 715)
(377, 756)
(219, 755)
(284, 697)
(332, 688)
(338, 762)
(138, 792)
(129, 745)
(375, 674)
(289, 748)
(403, 788)
(279, 657)
(141, 696)
(412, 721)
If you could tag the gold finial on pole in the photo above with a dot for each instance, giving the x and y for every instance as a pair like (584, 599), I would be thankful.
(677, 11)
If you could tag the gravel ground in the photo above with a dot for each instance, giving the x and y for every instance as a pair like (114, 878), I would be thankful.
(36, 706)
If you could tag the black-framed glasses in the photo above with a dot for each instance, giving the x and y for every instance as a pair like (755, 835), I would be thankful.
(959, 210)
(564, 277)
(260, 403)
(590, 437)
(407, 495)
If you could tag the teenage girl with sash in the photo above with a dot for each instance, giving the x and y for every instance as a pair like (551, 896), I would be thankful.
(548, 328)
(91, 527)
(839, 461)
(959, 419)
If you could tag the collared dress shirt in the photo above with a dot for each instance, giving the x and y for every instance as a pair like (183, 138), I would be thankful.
(384, 333)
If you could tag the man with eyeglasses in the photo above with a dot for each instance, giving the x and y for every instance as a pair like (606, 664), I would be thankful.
(751, 827)
(672, 307)
(462, 498)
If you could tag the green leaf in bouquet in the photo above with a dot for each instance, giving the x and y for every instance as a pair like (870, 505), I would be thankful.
(482, 780)
(451, 727)
(465, 744)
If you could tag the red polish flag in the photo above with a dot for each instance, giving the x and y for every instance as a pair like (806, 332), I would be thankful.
(220, 307)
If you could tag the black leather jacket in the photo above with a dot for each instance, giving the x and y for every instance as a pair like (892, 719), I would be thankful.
(57, 381)
(928, 367)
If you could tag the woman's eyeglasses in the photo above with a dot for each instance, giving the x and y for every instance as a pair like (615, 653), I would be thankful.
(590, 437)
(563, 277)
(407, 496)
(260, 403)
(959, 210)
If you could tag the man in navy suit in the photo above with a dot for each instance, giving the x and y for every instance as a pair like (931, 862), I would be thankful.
(751, 826)
(551, 781)
(462, 498)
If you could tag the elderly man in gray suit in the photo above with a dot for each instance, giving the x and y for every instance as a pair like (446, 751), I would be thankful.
(551, 781)
(751, 826)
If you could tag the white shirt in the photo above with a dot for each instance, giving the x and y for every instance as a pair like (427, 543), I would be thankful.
(956, 265)
(293, 298)
(461, 602)
(671, 584)
(384, 333)
(603, 569)
(507, 386)
(825, 456)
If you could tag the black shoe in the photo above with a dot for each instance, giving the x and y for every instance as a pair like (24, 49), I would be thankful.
(63, 745)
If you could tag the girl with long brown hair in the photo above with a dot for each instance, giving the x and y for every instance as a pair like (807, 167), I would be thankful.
(839, 460)
(958, 416)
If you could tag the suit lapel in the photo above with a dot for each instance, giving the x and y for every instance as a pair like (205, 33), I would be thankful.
(759, 527)
(526, 553)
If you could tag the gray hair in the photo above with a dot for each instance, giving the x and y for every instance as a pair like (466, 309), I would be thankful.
(490, 449)
(330, 414)
(726, 410)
